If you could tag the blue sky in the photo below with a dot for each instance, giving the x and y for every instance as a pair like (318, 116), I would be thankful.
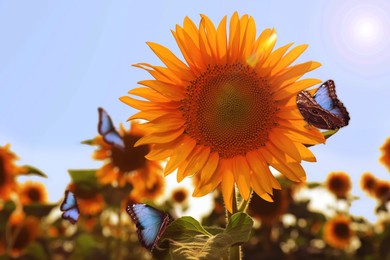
(60, 60)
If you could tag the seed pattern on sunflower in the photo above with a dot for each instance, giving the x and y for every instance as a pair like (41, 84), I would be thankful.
(229, 109)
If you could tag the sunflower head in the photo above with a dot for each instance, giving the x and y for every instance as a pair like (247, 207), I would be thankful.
(382, 190)
(89, 203)
(32, 192)
(24, 230)
(120, 164)
(8, 172)
(339, 184)
(179, 195)
(147, 190)
(385, 158)
(368, 183)
(338, 232)
(229, 111)
(269, 212)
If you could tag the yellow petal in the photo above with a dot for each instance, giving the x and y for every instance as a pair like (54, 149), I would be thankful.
(294, 88)
(261, 172)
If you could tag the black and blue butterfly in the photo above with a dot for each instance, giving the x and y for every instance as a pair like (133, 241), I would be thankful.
(150, 222)
(70, 208)
(323, 109)
(107, 130)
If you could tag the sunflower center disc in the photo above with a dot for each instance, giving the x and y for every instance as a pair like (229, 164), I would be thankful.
(131, 158)
(341, 230)
(229, 109)
(34, 195)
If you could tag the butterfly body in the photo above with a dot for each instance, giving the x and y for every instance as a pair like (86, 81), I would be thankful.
(107, 130)
(150, 222)
(70, 208)
(323, 110)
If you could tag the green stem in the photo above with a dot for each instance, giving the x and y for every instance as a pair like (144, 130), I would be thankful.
(235, 251)
(119, 241)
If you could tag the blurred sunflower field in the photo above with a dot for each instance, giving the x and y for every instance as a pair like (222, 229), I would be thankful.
(233, 118)
(287, 228)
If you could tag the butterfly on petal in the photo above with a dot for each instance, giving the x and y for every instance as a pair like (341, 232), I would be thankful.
(323, 109)
(150, 222)
(107, 130)
(70, 208)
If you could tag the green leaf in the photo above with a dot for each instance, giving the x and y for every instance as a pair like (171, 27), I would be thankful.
(34, 171)
(313, 185)
(329, 133)
(84, 176)
(189, 239)
(36, 251)
(84, 247)
(38, 210)
(239, 227)
(5, 212)
(326, 134)
(88, 142)
(113, 196)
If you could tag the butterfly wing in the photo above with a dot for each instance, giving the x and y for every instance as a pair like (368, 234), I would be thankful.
(71, 214)
(107, 130)
(150, 222)
(326, 97)
(69, 201)
(70, 208)
(323, 110)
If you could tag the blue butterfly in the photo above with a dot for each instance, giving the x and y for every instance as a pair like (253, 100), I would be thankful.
(323, 110)
(107, 130)
(70, 208)
(151, 223)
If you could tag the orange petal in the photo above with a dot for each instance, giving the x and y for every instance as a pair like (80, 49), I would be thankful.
(285, 144)
(169, 91)
(197, 162)
(261, 172)
(294, 88)
(184, 149)
(159, 138)
(283, 163)
(241, 172)
(289, 58)
(170, 60)
(149, 94)
(227, 186)
(306, 154)
(209, 168)
(221, 41)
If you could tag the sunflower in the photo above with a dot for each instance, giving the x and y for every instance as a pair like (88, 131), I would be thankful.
(269, 212)
(337, 232)
(23, 231)
(8, 172)
(339, 184)
(89, 203)
(122, 165)
(179, 195)
(230, 112)
(385, 158)
(368, 183)
(143, 190)
(382, 190)
(32, 192)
